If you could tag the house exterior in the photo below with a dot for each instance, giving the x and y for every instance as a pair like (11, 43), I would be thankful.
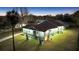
(44, 30)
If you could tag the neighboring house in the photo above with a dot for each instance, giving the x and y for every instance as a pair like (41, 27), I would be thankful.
(19, 25)
(44, 30)
(39, 21)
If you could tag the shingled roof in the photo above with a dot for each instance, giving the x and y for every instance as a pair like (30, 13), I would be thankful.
(45, 25)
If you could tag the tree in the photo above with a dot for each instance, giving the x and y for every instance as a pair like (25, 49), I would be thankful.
(32, 18)
(24, 14)
(12, 17)
(59, 17)
(76, 13)
(76, 17)
(68, 18)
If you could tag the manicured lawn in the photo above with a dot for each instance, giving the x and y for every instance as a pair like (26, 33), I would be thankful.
(23, 44)
(66, 41)
(63, 42)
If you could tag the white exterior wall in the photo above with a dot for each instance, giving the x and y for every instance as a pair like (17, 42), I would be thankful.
(43, 35)
(61, 28)
(30, 32)
(40, 33)
(53, 31)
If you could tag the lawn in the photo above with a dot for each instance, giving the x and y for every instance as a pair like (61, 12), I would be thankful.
(63, 42)
(66, 41)
(8, 33)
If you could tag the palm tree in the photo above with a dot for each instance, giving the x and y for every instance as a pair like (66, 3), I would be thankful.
(12, 17)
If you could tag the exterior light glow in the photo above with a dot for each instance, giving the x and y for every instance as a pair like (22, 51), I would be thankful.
(61, 28)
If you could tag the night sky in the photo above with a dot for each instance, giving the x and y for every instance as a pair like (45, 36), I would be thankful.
(43, 10)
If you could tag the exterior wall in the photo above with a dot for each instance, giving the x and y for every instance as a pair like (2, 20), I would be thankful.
(40, 34)
(53, 31)
(50, 32)
(30, 32)
(61, 28)
(43, 35)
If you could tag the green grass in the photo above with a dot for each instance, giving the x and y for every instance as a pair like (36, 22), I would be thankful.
(23, 44)
(66, 41)
(8, 33)
(62, 42)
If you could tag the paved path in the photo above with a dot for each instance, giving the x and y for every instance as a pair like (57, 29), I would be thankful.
(8, 37)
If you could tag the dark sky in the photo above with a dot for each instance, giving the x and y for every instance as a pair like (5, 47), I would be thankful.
(43, 10)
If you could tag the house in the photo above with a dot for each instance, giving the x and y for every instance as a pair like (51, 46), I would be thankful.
(44, 30)
(38, 21)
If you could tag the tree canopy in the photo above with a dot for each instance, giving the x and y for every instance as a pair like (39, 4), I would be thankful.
(12, 17)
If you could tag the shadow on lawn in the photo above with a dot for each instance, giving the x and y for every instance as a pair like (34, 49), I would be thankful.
(37, 47)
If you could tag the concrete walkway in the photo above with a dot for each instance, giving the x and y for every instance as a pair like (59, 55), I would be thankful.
(8, 37)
